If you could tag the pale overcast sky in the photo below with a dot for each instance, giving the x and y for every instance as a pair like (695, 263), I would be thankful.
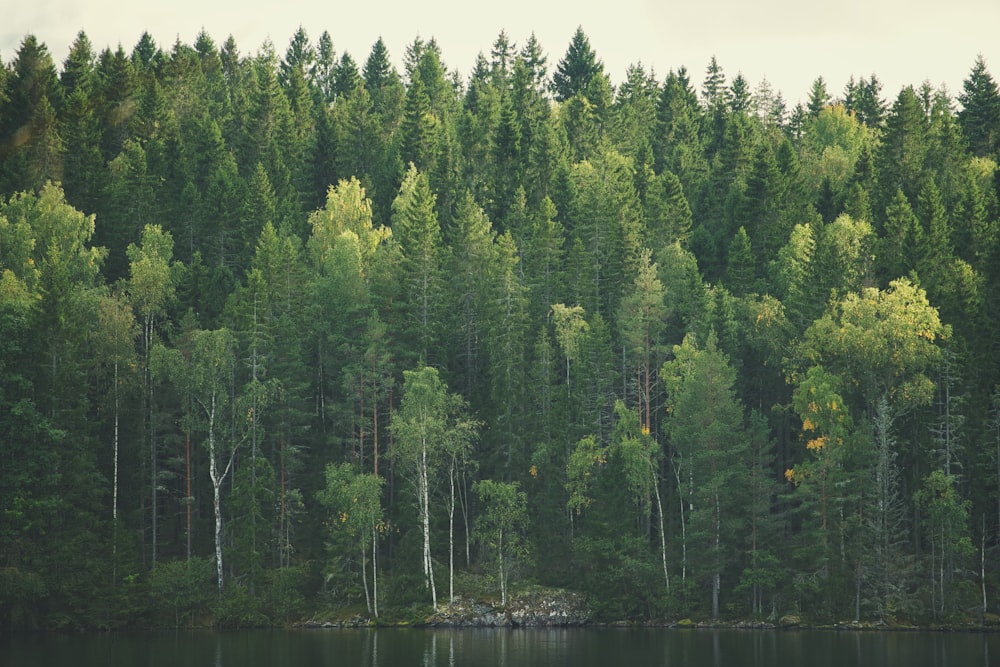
(788, 42)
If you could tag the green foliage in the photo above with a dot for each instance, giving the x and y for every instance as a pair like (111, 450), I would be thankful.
(500, 526)
(606, 276)
(181, 591)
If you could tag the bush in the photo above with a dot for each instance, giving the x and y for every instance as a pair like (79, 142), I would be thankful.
(181, 589)
(286, 592)
(238, 608)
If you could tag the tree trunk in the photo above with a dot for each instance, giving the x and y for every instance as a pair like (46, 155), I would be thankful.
(857, 591)
(217, 480)
(147, 340)
(982, 564)
(282, 537)
(188, 499)
(375, 425)
(716, 578)
(463, 495)
(451, 537)
(663, 538)
(503, 579)
(375, 567)
(684, 549)
(114, 506)
(364, 576)
(213, 469)
(426, 519)
(941, 570)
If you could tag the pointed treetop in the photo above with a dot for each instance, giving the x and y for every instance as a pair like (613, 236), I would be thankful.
(980, 114)
(819, 98)
(578, 70)
(713, 89)
(378, 68)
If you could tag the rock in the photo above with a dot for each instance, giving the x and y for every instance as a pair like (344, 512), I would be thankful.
(534, 608)
(789, 622)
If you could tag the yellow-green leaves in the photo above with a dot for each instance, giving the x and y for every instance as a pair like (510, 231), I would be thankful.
(879, 342)
(586, 456)
(347, 211)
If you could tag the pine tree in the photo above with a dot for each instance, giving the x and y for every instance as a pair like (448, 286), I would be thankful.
(980, 114)
(578, 71)
(904, 148)
(819, 98)
(705, 425)
(415, 225)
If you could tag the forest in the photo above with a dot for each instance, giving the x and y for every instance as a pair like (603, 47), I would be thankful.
(284, 332)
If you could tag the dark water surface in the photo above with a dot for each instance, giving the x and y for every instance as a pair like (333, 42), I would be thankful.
(503, 648)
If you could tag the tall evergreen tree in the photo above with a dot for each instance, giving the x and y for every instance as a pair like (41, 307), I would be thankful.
(980, 114)
(416, 227)
(705, 425)
(578, 71)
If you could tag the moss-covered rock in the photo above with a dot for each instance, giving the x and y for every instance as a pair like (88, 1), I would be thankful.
(536, 607)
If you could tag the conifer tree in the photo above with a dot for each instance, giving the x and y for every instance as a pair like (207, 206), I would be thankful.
(980, 114)
(578, 71)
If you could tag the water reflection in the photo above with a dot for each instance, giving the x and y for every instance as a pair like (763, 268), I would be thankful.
(503, 648)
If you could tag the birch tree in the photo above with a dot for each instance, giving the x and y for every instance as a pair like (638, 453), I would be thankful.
(208, 376)
(640, 457)
(354, 501)
(153, 276)
(501, 524)
(429, 433)
(115, 347)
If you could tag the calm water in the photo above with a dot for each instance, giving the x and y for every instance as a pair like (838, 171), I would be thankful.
(504, 648)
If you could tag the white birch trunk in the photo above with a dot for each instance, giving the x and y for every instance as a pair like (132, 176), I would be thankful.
(114, 506)
(213, 471)
(684, 548)
(364, 576)
(375, 568)
(451, 539)
(217, 480)
(426, 518)
(503, 578)
(663, 538)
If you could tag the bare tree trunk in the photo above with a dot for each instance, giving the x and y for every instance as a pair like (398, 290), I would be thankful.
(282, 537)
(375, 425)
(663, 538)
(114, 506)
(858, 571)
(503, 577)
(147, 340)
(375, 567)
(451, 537)
(364, 577)
(217, 481)
(934, 587)
(982, 562)
(684, 549)
(941, 570)
(188, 499)
(716, 579)
(426, 518)
(213, 470)
(464, 497)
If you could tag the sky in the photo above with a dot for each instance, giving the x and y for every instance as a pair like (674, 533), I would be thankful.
(787, 42)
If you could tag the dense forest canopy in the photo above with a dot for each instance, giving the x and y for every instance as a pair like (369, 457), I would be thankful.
(290, 330)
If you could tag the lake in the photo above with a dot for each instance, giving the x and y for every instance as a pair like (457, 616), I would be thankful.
(564, 647)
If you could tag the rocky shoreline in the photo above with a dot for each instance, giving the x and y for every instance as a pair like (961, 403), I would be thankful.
(540, 608)
(524, 610)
